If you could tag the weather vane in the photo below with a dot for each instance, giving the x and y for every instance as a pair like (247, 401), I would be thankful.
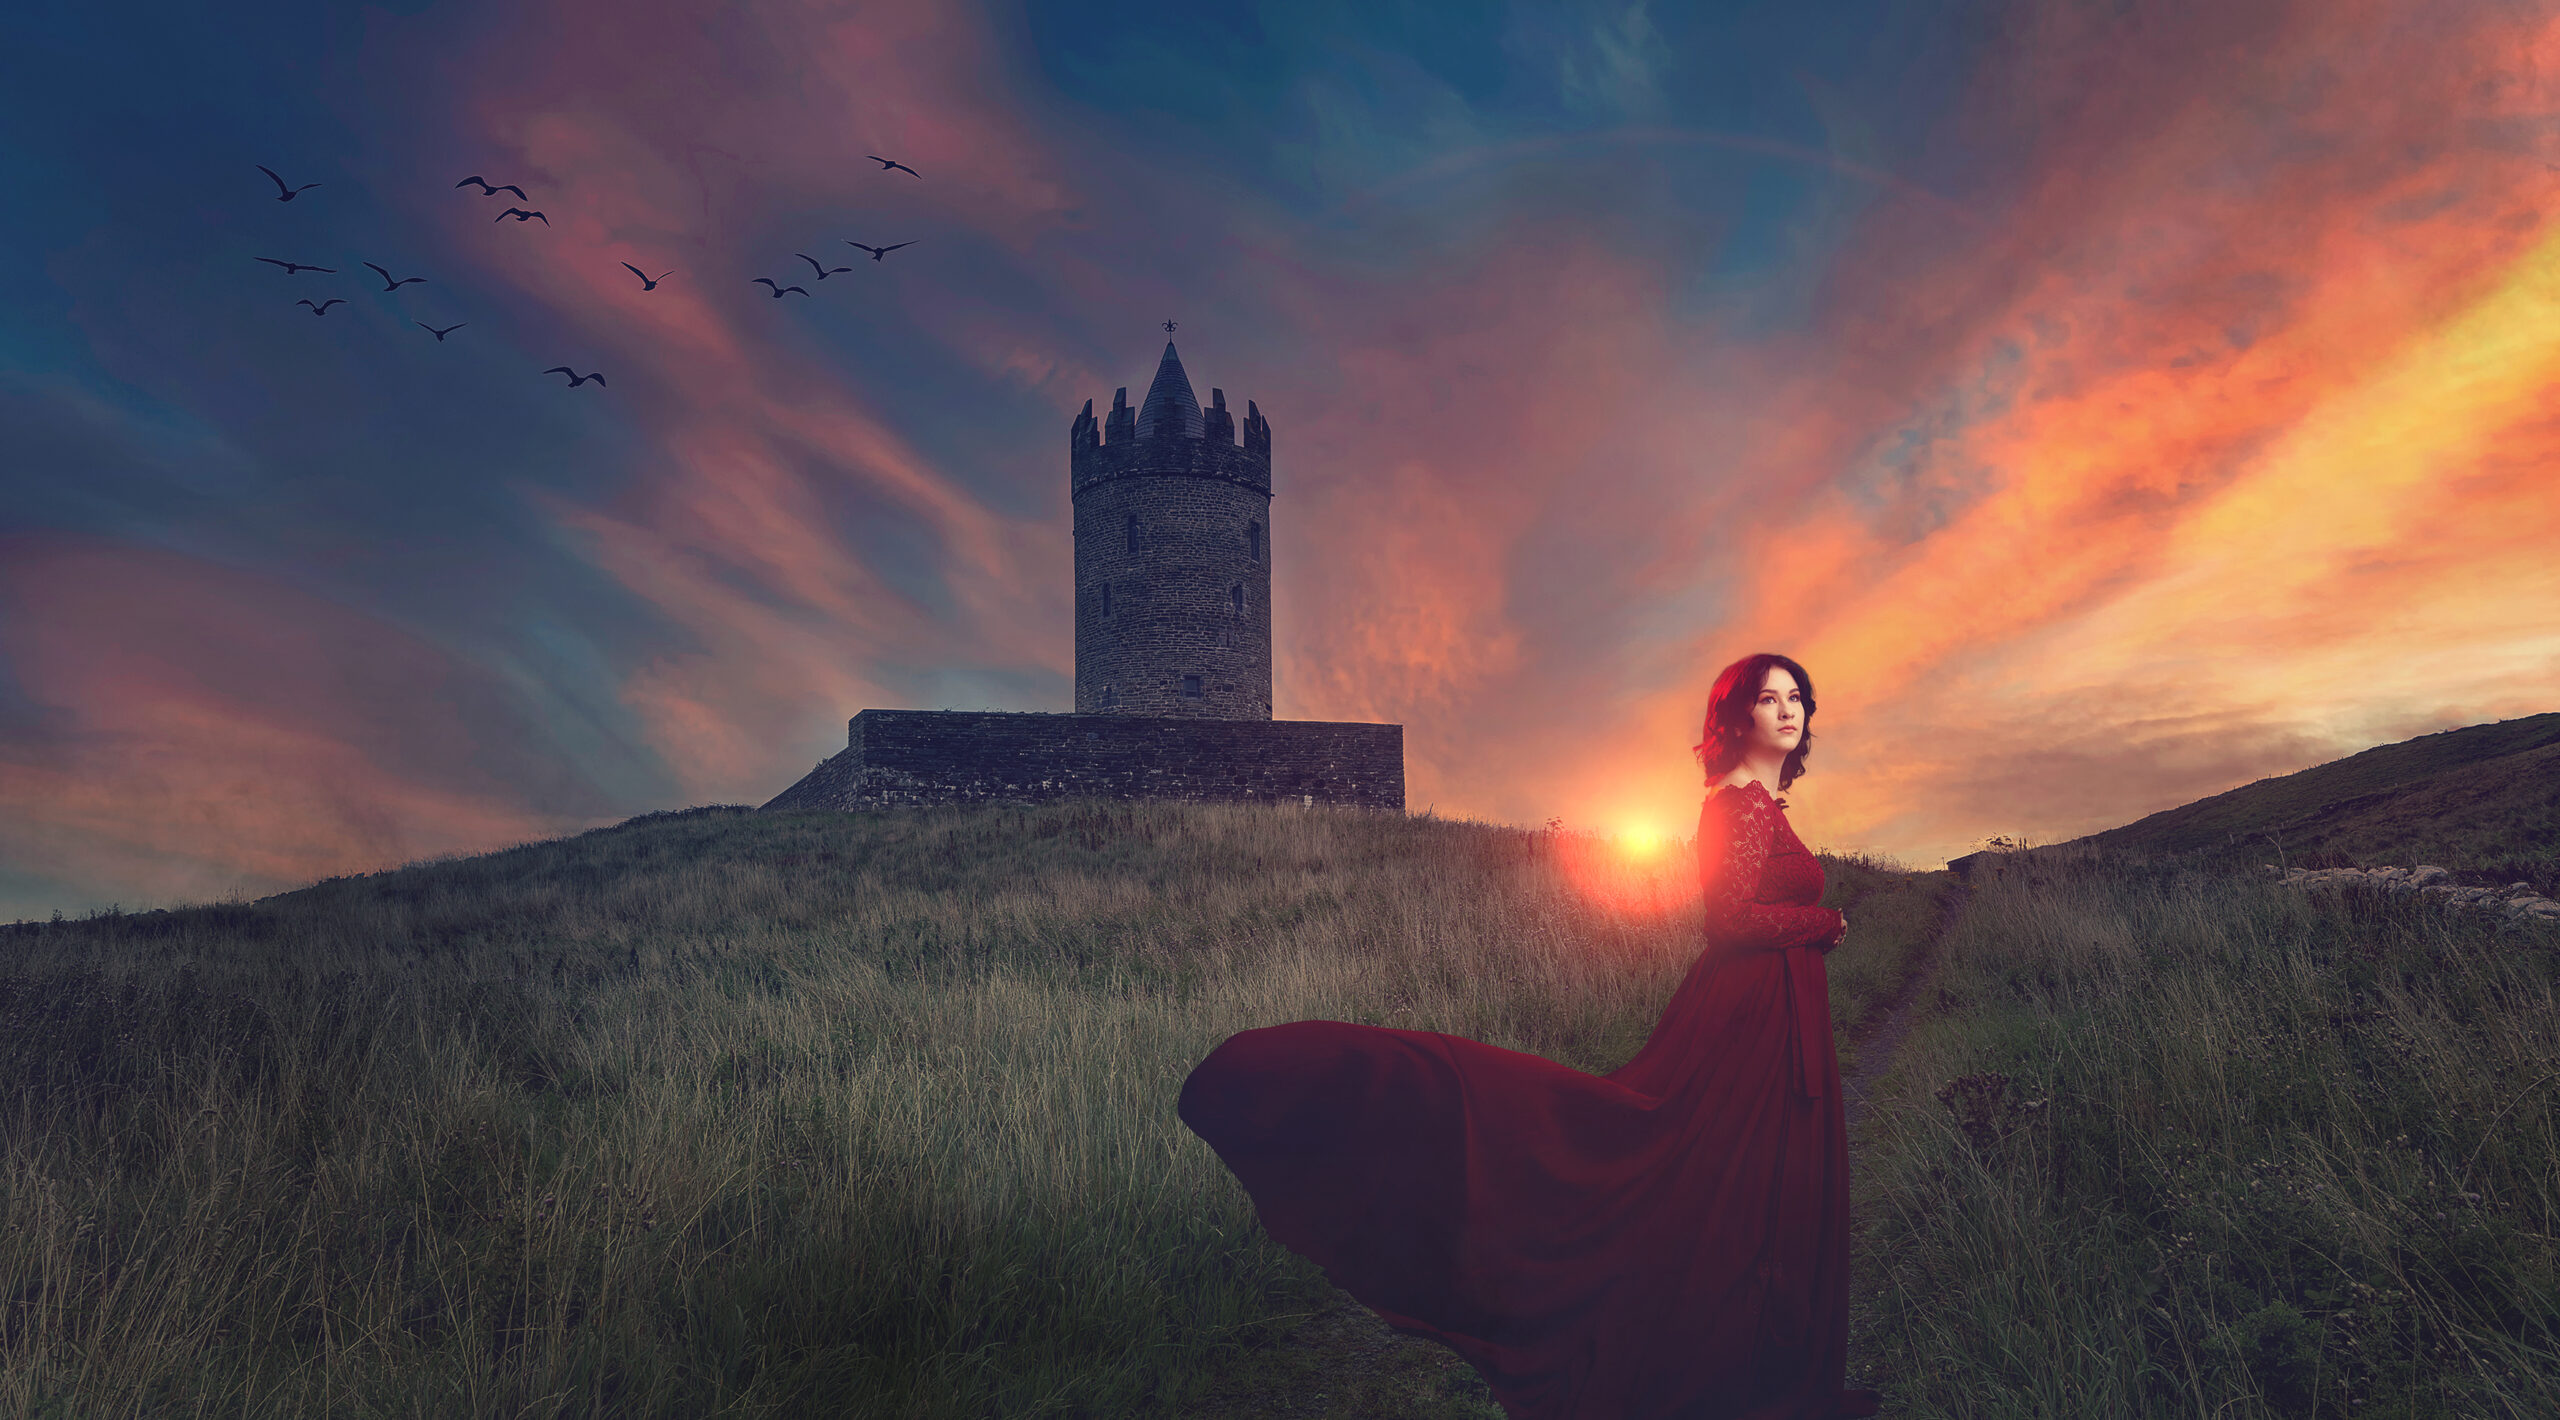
(1168, 327)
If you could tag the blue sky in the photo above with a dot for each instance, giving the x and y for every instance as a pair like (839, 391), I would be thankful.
(1938, 346)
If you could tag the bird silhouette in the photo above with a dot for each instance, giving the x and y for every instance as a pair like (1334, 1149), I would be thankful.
(283, 193)
(576, 379)
(487, 191)
(645, 283)
(877, 252)
(520, 215)
(291, 267)
(823, 271)
(448, 330)
(322, 309)
(886, 165)
(778, 290)
(390, 285)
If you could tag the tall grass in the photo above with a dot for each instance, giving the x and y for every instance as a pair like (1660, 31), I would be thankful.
(734, 1114)
(2191, 1145)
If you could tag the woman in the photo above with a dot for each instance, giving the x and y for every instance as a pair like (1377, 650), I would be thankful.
(1667, 1240)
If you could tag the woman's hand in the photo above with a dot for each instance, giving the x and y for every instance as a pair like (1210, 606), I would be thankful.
(1840, 936)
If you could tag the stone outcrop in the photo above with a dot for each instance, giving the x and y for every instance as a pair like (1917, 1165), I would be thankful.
(2515, 901)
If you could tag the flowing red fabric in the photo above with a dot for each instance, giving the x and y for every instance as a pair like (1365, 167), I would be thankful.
(1668, 1239)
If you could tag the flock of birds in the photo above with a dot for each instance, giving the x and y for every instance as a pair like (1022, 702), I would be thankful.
(287, 193)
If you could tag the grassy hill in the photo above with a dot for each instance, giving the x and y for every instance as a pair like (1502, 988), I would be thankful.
(2483, 801)
(870, 1115)
(727, 1113)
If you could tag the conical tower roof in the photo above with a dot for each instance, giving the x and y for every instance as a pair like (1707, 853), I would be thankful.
(1171, 407)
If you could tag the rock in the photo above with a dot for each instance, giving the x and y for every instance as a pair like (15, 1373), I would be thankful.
(2516, 901)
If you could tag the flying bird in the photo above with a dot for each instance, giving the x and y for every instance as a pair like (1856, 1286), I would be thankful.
(778, 290)
(487, 191)
(886, 165)
(645, 283)
(390, 285)
(520, 215)
(322, 309)
(291, 267)
(877, 252)
(284, 193)
(448, 330)
(576, 379)
(823, 271)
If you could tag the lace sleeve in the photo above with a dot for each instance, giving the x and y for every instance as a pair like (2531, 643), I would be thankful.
(1734, 830)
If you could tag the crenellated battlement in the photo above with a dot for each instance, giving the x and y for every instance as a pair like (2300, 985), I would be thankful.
(1170, 437)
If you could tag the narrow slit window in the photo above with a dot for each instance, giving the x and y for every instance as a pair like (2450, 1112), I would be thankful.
(1110, 695)
(1253, 539)
(1191, 687)
(1235, 598)
(1131, 528)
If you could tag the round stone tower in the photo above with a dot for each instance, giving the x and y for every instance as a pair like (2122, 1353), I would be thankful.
(1173, 555)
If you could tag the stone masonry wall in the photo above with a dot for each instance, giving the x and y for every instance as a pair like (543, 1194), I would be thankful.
(2516, 901)
(1202, 504)
(895, 757)
(1173, 608)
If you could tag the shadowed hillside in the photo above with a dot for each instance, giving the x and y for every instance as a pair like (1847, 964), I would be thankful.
(2483, 801)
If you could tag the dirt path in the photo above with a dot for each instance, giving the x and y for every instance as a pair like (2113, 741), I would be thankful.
(1877, 1046)
(1345, 1364)
(1878, 1043)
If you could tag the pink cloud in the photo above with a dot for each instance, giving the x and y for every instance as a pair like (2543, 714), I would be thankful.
(227, 732)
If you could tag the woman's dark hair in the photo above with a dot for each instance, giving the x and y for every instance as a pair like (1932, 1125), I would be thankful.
(1728, 723)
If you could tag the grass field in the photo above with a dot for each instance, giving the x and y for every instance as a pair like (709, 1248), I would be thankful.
(2186, 1144)
(719, 1113)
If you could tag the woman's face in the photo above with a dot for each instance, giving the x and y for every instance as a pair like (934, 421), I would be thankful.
(1777, 718)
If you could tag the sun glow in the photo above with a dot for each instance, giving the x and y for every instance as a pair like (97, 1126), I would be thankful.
(1635, 871)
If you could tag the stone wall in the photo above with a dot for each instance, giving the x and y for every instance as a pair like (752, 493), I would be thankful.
(895, 757)
(1175, 622)
(1193, 600)
(2517, 901)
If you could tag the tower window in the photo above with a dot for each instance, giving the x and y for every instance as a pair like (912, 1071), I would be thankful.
(1253, 540)
(1132, 529)
(1191, 687)
(1110, 695)
(1106, 599)
(1235, 598)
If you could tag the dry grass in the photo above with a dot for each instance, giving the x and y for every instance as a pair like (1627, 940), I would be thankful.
(2187, 1145)
(737, 1114)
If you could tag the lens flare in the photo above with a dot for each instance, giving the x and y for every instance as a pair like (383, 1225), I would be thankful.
(1637, 872)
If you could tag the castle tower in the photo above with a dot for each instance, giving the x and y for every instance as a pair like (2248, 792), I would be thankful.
(1173, 555)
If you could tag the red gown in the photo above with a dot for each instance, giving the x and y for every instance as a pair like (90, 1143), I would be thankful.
(1670, 1239)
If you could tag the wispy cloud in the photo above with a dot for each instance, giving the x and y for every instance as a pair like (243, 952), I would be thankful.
(2158, 411)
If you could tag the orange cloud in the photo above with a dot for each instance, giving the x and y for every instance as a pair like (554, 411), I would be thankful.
(2269, 483)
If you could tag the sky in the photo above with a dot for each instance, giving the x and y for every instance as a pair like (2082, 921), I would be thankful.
(2109, 403)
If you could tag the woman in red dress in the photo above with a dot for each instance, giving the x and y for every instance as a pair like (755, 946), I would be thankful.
(1670, 1239)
